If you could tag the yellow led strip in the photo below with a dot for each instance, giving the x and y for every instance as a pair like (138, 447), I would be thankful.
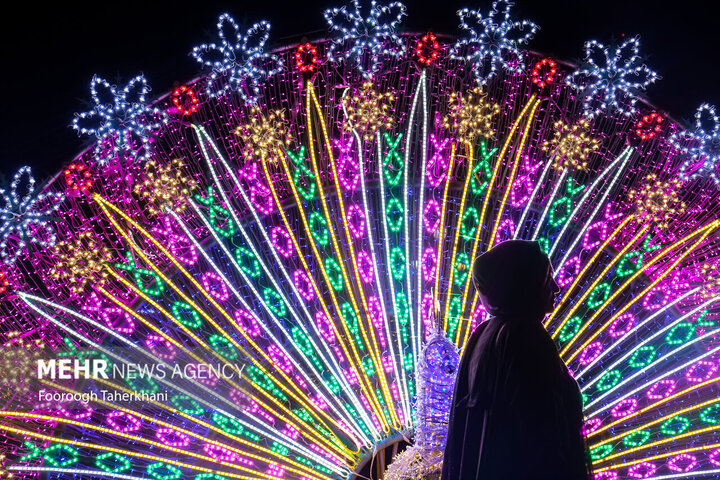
(441, 227)
(463, 198)
(654, 422)
(359, 372)
(637, 297)
(518, 155)
(658, 457)
(104, 204)
(120, 451)
(598, 278)
(654, 405)
(195, 420)
(496, 168)
(310, 100)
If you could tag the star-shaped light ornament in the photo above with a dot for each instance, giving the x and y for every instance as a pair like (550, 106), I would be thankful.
(491, 43)
(238, 61)
(26, 217)
(364, 38)
(471, 115)
(265, 135)
(571, 145)
(121, 120)
(81, 261)
(612, 78)
(701, 147)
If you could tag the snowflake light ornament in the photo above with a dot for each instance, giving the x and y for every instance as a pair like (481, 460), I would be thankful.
(658, 201)
(612, 78)
(238, 61)
(492, 42)
(23, 216)
(571, 145)
(165, 187)
(702, 146)
(121, 120)
(364, 39)
(368, 111)
(81, 261)
(471, 115)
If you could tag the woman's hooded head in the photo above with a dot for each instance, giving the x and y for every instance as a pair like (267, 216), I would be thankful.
(515, 278)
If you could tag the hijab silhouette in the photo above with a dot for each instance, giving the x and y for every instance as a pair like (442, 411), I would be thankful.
(516, 412)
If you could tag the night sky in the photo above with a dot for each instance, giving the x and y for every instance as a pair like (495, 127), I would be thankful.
(50, 53)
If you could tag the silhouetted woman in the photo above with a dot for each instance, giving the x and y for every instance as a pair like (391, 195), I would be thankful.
(516, 412)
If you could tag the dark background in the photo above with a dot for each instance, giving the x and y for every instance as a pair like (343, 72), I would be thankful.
(50, 53)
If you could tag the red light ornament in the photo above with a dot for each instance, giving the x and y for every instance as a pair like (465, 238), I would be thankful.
(78, 177)
(4, 283)
(427, 49)
(544, 71)
(306, 58)
(649, 126)
(185, 100)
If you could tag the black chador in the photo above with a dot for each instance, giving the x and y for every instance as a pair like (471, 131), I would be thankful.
(516, 411)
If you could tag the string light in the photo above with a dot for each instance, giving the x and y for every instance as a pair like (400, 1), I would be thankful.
(306, 58)
(614, 84)
(704, 145)
(470, 115)
(121, 120)
(544, 72)
(571, 145)
(78, 177)
(18, 364)
(25, 216)
(649, 126)
(165, 187)
(427, 49)
(492, 43)
(81, 261)
(238, 62)
(185, 100)
(265, 135)
(658, 201)
(368, 111)
(363, 40)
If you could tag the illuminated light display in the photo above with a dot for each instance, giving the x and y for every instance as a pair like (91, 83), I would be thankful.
(306, 58)
(649, 126)
(493, 42)
(427, 49)
(612, 77)
(571, 144)
(701, 147)
(318, 243)
(265, 135)
(368, 111)
(657, 201)
(544, 72)
(238, 62)
(81, 261)
(120, 118)
(165, 187)
(185, 100)
(471, 115)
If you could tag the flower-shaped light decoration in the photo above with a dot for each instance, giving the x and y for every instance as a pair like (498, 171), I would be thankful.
(571, 145)
(702, 146)
(647, 127)
(364, 39)
(81, 261)
(18, 363)
(121, 120)
(165, 187)
(238, 62)
(24, 216)
(657, 201)
(611, 78)
(471, 115)
(368, 111)
(264, 136)
(492, 42)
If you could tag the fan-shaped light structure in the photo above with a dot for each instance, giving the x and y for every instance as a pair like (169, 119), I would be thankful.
(257, 275)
